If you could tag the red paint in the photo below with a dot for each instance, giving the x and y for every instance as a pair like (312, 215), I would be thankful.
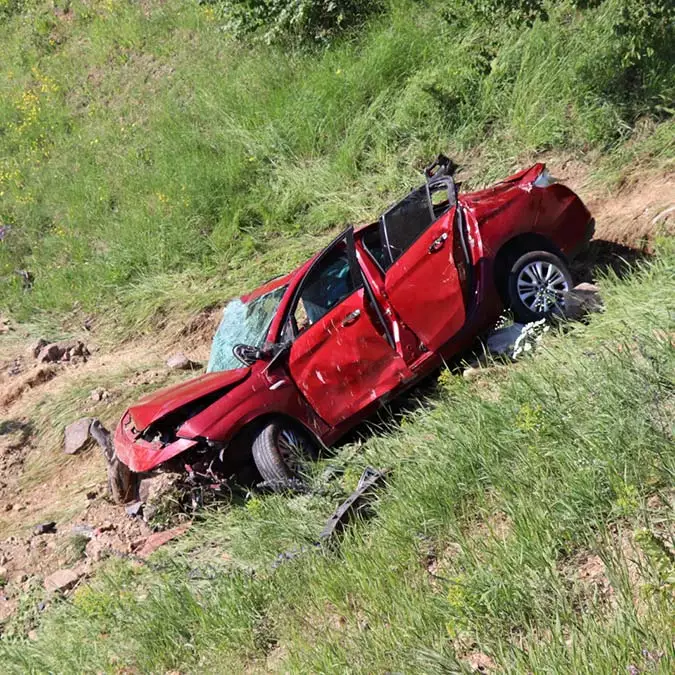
(340, 369)
(423, 286)
(155, 406)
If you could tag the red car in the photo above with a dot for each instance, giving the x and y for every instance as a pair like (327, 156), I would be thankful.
(305, 357)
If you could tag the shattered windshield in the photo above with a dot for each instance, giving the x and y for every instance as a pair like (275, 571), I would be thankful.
(243, 323)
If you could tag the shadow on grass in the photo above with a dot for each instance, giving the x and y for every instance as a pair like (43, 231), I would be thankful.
(602, 257)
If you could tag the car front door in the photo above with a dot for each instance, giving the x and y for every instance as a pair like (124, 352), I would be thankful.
(422, 277)
(341, 357)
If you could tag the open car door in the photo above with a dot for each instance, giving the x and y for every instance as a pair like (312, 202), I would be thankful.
(341, 357)
(422, 256)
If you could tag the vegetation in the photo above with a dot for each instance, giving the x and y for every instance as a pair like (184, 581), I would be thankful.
(151, 162)
(524, 522)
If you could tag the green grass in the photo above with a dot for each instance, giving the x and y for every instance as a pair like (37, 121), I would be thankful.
(500, 491)
(150, 164)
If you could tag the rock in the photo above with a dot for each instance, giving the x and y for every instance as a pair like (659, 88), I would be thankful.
(152, 489)
(181, 362)
(50, 353)
(45, 528)
(99, 394)
(62, 580)
(37, 346)
(502, 341)
(472, 373)
(149, 512)
(154, 541)
(83, 530)
(62, 351)
(581, 300)
(77, 435)
(91, 495)
(134, 509)
(9, 507)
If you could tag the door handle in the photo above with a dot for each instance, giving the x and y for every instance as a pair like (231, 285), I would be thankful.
(437, 244)
(351, 318)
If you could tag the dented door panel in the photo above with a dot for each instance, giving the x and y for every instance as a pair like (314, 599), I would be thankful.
(424, 287)
(343, 363)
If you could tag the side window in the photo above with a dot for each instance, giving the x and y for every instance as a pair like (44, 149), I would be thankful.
(326, 286)
(404, 222)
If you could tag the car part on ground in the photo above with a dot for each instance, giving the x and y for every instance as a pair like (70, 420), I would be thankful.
(354, 503)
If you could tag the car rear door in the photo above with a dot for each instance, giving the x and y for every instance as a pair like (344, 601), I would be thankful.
(341, 357)
(423, 263)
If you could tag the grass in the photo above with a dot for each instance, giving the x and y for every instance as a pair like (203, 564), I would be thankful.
(504, 492)
(150, 165)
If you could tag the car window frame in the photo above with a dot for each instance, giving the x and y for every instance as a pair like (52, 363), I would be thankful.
(449, 185)
(354, 270)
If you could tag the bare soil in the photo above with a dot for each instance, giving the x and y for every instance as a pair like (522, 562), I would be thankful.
(39, 483)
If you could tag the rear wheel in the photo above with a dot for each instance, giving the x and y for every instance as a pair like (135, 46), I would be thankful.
(537, 282)
(281, 452)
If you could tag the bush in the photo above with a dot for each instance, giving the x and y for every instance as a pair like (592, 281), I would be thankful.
(294, 21)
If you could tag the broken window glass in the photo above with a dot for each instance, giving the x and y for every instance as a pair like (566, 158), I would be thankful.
(243, 323)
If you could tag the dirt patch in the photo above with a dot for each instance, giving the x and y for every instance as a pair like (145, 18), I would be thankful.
(637, 213)
(13, 389)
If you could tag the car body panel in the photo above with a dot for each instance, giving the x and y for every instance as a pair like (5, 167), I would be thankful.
(424, 309)
(341, 365)
(424, 288)
(154, 406)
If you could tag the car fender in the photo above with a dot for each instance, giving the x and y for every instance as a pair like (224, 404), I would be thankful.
(268, 394)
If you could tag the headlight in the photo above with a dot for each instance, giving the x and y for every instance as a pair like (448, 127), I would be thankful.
(544, 179)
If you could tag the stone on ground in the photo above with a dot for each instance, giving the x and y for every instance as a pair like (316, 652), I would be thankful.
(77, 435)
(62, 580)
(181, 362)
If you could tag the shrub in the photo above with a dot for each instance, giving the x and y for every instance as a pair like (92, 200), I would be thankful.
(294, 21)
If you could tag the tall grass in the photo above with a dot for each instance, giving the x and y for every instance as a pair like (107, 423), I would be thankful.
(150, 162)
(502, 492)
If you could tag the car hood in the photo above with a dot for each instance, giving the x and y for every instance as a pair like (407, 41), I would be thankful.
(153, 407)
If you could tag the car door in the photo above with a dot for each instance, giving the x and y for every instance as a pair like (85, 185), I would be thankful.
(422, 280)
(341, 357)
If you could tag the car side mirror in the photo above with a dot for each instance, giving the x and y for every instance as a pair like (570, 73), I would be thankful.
(276, 352)
(247, 354)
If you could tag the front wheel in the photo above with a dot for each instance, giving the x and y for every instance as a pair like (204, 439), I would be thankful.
(281, 452)
(536, 285)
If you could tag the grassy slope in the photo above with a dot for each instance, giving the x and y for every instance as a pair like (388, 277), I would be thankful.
(149, 163)
(502, 493)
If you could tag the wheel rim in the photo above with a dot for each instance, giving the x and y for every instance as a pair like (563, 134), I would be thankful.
(292, 448)
(541, 285)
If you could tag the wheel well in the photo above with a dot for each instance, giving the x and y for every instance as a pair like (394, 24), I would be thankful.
(243, 439)
(512, 250)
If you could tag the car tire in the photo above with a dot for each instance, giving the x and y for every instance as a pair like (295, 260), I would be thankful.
(281, 452)
(535, 285)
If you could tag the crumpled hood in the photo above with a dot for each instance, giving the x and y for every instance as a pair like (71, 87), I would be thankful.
(154, 406)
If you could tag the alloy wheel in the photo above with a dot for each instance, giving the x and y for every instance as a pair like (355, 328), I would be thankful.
(541, 285)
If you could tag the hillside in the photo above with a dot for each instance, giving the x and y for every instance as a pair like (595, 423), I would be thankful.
(157, 158)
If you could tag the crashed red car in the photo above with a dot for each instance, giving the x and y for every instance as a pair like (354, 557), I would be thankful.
(304, 358)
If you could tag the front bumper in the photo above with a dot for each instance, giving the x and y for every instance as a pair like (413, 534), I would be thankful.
(141, 455)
